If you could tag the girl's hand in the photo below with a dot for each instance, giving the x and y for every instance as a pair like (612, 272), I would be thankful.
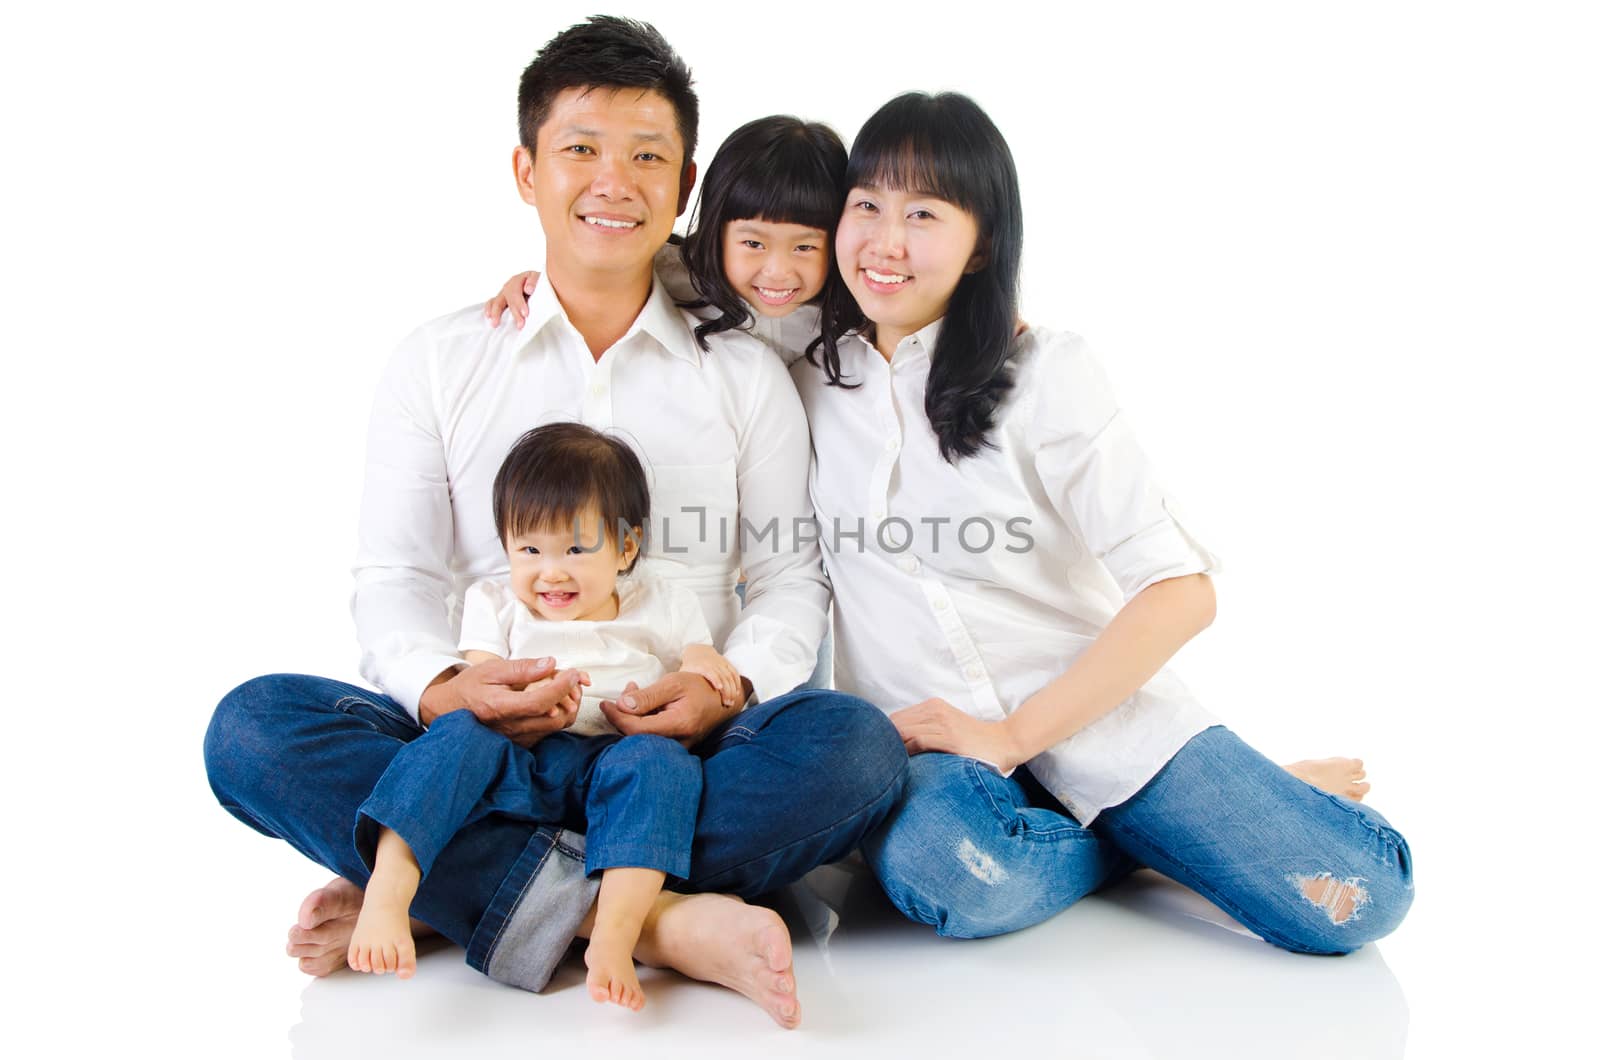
(513, 296)
(706, 661)
(935, 725)
(567, 709)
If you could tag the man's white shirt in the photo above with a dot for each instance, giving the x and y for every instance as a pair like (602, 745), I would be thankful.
(721, 433)
(940, 591)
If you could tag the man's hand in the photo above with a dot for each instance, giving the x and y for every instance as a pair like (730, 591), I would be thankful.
(524, 700)
(680, 706)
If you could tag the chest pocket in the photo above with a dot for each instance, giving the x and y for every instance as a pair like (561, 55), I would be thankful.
(694, 514)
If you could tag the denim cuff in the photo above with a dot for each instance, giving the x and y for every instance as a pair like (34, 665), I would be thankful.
(535, 914)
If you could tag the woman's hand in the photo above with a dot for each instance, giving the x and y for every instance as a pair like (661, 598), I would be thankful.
(513, 296)
(935, 725)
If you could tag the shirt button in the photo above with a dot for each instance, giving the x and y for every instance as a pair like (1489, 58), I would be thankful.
(910, 564)
(974, 672)
(891, 445)
(598, 390)
(941, 604)
(877, 514)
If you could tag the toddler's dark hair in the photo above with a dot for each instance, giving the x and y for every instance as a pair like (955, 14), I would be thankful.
(554, 473)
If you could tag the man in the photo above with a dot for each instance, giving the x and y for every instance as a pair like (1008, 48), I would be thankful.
(608, 124)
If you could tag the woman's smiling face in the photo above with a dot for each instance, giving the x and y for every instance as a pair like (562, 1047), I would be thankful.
(902, 253)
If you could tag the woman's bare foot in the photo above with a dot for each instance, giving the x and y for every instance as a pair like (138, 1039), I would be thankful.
(382, 940)
(611, 974)
(1337, 776)
(718, 939)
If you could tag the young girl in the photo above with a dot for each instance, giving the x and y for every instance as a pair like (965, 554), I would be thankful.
(1021, 651)
(569, 505)
(757, 255)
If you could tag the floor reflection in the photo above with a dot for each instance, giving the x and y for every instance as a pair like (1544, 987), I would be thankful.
(1147, 969)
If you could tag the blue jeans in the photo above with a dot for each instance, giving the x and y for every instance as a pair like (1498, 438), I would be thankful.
(788, 785)
(976, 854)
(634, 797)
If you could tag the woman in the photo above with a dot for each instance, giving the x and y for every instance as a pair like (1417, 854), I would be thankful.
(1010, 579)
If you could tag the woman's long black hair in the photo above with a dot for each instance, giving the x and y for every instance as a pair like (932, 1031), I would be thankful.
(780, 170)
(946, 146)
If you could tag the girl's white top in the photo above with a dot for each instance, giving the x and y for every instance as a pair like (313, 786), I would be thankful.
(787, 335)
(979, 583)
(655, 620)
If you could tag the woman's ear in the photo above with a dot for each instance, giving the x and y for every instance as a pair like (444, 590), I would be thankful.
(980, 258)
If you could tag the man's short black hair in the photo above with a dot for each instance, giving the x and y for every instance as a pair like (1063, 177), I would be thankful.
(607, 52)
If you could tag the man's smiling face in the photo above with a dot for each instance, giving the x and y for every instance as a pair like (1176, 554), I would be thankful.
(608, 179)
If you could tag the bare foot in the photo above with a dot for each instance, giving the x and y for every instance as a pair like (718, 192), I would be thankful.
(611, 974)
(321, 934)
(320, 937)
(382, 940)
(1337, 776)
(718, 939)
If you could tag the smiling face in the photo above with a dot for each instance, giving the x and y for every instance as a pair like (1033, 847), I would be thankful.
(775, 267)
(902, 253)
(608, 178)
(560, 574)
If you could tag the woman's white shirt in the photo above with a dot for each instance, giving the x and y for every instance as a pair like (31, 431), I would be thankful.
(979, 583)
(656, 620)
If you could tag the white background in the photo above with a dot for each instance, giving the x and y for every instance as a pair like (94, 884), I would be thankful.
(1340, 260)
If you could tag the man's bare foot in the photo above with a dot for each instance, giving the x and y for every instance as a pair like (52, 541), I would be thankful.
(1337, 776)
(718, 939)
(611, 974)
(382, 940)
(320, 937)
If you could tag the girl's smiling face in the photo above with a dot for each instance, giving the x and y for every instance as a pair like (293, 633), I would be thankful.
(559, 573)
(775, 267)
(902, 253)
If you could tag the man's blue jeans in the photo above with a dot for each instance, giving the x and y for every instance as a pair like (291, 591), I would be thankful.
(634, 797)
(976, 854)
(788, 785)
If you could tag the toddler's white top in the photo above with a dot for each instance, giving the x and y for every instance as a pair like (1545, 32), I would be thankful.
(655, 620)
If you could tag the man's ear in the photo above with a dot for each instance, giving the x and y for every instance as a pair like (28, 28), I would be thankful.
(522, 164)
(686, 186)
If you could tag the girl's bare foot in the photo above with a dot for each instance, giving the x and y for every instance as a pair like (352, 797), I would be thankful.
(611, 974)
(718, 939)
(382, 939)
(1337, 776)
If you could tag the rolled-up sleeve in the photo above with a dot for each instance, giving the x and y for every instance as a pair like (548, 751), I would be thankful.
(785, 612)
(402, 576)
(1098, 477)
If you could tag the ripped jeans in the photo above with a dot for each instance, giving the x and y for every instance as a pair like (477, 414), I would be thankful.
(976, 854)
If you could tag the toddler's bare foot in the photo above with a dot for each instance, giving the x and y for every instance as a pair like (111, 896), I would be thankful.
(718, 939)
(611, 974)
(320, 937)
(1337, 776)
(382, 940)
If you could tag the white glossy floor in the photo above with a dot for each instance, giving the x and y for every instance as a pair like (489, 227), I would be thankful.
(1133, 973)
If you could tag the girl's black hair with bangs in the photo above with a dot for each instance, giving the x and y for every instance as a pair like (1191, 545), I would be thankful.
(780, 170)
(945, 145)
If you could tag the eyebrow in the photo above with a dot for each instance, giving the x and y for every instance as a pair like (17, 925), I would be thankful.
(915, 193)
(594, 134)
(757, 228)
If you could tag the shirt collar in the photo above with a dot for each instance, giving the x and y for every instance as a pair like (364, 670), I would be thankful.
(917, 344)
(660, 319)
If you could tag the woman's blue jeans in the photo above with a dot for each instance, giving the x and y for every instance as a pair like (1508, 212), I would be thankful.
(790, 784)
(976, 854)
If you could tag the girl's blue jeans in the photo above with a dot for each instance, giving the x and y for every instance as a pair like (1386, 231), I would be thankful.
(787, 785)
(975, 854)
(634, 797)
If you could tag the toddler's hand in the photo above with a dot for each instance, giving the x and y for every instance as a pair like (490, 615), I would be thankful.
(706, 661)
